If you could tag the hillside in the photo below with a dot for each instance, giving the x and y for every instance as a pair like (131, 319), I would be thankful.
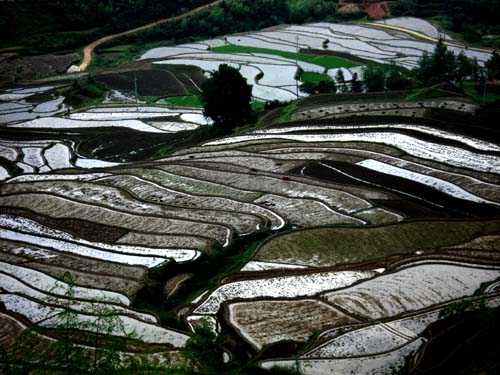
(285, 187)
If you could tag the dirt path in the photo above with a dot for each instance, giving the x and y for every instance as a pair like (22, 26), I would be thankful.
(87, 51)
(426, 37)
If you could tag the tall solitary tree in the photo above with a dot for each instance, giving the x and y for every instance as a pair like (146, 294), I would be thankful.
(226, 98)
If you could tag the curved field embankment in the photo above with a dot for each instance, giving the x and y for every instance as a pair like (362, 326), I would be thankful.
(87, 51)
(420, 35)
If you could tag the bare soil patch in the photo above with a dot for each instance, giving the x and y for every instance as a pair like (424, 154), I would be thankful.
(84, 229)
(28, 68)
(270, 321)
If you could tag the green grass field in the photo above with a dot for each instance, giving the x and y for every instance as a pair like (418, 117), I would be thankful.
(330, 246)
(121, 48)
(185, 101)
(328, 62)
(314, 77)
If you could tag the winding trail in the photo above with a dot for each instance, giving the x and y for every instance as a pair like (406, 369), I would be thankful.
(423, 36)
(87, 51)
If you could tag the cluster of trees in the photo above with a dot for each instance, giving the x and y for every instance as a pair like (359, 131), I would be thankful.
(440, 66)
(84, 91)
(32, 24)
(472, 18)
(48, 26)
(444, 65)
(236, 16)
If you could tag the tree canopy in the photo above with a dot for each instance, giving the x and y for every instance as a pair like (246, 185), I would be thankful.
(226, 98)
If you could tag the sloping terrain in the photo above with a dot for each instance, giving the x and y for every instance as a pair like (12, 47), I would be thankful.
(330, 239)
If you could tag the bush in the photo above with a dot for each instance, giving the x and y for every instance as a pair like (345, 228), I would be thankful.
(84, 91)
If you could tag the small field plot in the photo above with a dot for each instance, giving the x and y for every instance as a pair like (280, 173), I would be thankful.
(416, 24)
(266, 322)
(412, 288)
(368, 365)
(151, 81)
(330, 246)
(304, 212)
(292, 286)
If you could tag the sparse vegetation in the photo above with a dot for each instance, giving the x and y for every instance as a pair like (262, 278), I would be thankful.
(84, 92)
(348, 245)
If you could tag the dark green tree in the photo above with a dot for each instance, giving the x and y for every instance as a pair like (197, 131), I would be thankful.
(464, 67)
(226, 98)
(404, 8)
(321, 87)
(493, 65)
(438, 67)
(339, 76)
(395, 79)
(356, 84)
(374, 78)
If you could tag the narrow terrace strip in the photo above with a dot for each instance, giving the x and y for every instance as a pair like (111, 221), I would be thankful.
(151, 191)
(338, 200)
(119, 200)
(58, 207)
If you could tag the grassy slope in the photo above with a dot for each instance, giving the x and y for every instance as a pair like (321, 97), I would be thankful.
(331, 245)
(185, 101)
(314, 77)
(328, 62)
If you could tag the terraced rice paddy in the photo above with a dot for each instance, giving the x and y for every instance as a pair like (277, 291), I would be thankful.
(332, 244)
(269, 59)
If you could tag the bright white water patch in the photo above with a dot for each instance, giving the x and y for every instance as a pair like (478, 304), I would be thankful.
(94, 163)
(58, 156)
(49, 284)
(13, 284)
(142, 109)
(196, 118)
(115, 96)
(368, 365)
(285, 286)
(255, 265)
(91, 252)
(110, 116)
(173, 127)
(33, 311)
(413, 288)
(4, 173)
(31, 227)
(452, 155)
(50, 106)
(476, 143)
(21, 229)
(165, 52)
(62, 123)
(416, 24)
(55, 177)
(436, 183)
